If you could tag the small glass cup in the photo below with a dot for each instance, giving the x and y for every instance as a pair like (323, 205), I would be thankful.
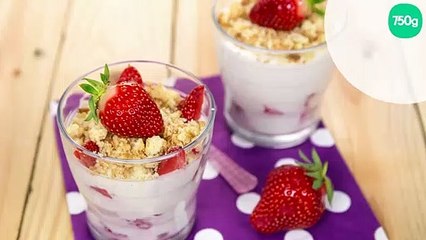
(160, 208)
(270, 99)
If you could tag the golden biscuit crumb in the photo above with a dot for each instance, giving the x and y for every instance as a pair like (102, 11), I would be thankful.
(235, 21)
(178, 132)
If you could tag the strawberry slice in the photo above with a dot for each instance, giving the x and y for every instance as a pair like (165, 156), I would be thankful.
(272, 111)
(141, 223)
(283, 14)
(115, 235)
(130, 74)
(173, 163)
(86, 160)
(192, 104)
(102, 191)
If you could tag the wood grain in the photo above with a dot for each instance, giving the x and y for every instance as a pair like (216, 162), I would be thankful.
(195, 46)
(383, 146)
(97, 32)
(29, 41)
(382, 143)
(421, 110)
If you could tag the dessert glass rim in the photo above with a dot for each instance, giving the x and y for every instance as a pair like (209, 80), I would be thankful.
(209, 125)
(258, 49)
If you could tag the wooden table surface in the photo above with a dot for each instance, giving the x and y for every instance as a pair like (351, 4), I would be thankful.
(46, 44)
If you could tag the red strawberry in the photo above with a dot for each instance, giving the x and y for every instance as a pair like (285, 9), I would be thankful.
(192, 104)
(128, 111)
(130, 74)
(115, 235)
(282, 14)
(102, 191)
(141, 223)
(173, 163)
(86, 160)
(272, 111)
(125, 109)
(293, 197)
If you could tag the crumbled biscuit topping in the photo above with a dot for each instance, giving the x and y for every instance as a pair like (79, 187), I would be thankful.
(235, 21)
(178, 132)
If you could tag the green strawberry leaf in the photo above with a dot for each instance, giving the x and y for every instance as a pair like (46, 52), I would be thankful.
(329, 189)
(315, 9)
(308, 167)
(304, 157)
(92, 108)
(89, 89)
(96, 84)
(105, 75)
(104, 78)
(96, 89)
(316, 175)
(316, 157)
(324, 169)
(319, 11)
(317, 184)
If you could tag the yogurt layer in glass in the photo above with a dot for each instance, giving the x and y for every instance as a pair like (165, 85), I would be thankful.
(274, 80)
(128, 197)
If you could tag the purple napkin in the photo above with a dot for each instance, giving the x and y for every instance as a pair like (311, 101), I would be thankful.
(223, 214)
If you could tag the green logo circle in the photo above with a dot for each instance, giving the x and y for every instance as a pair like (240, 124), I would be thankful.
(405, 20)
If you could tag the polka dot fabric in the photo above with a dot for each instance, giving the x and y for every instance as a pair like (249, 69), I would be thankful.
(222, 214)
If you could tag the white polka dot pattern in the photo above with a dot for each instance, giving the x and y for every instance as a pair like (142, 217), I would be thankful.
(247, 202)
(210, 172)
(380, 234)
(76, 203)
(208, 234)
(341, 202)
(298, 234)
(286, 161)
(53, 108)
(322, 138)
(241, 142)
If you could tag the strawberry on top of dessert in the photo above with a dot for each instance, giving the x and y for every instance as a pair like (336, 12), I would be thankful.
(283, 14)
(128, 118)
(275, 24)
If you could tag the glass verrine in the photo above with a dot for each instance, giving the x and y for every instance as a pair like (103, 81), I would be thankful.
(272, 97)
(138, 207)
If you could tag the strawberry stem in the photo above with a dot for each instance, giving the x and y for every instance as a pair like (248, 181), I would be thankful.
(96, 89)
(318, 171)
(312, 5)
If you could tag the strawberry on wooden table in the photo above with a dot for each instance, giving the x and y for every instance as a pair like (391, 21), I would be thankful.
(293, 196)
(283, 14)
(191, 106)
(124, 109)
(176, 162)
(86, 160)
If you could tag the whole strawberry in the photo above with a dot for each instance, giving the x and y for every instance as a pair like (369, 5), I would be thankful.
(124, 109)
(130, 74)
(293, 196)
(283, 14)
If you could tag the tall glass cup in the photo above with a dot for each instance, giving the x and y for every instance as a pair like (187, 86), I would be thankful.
(272, 97)
(131, 209)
